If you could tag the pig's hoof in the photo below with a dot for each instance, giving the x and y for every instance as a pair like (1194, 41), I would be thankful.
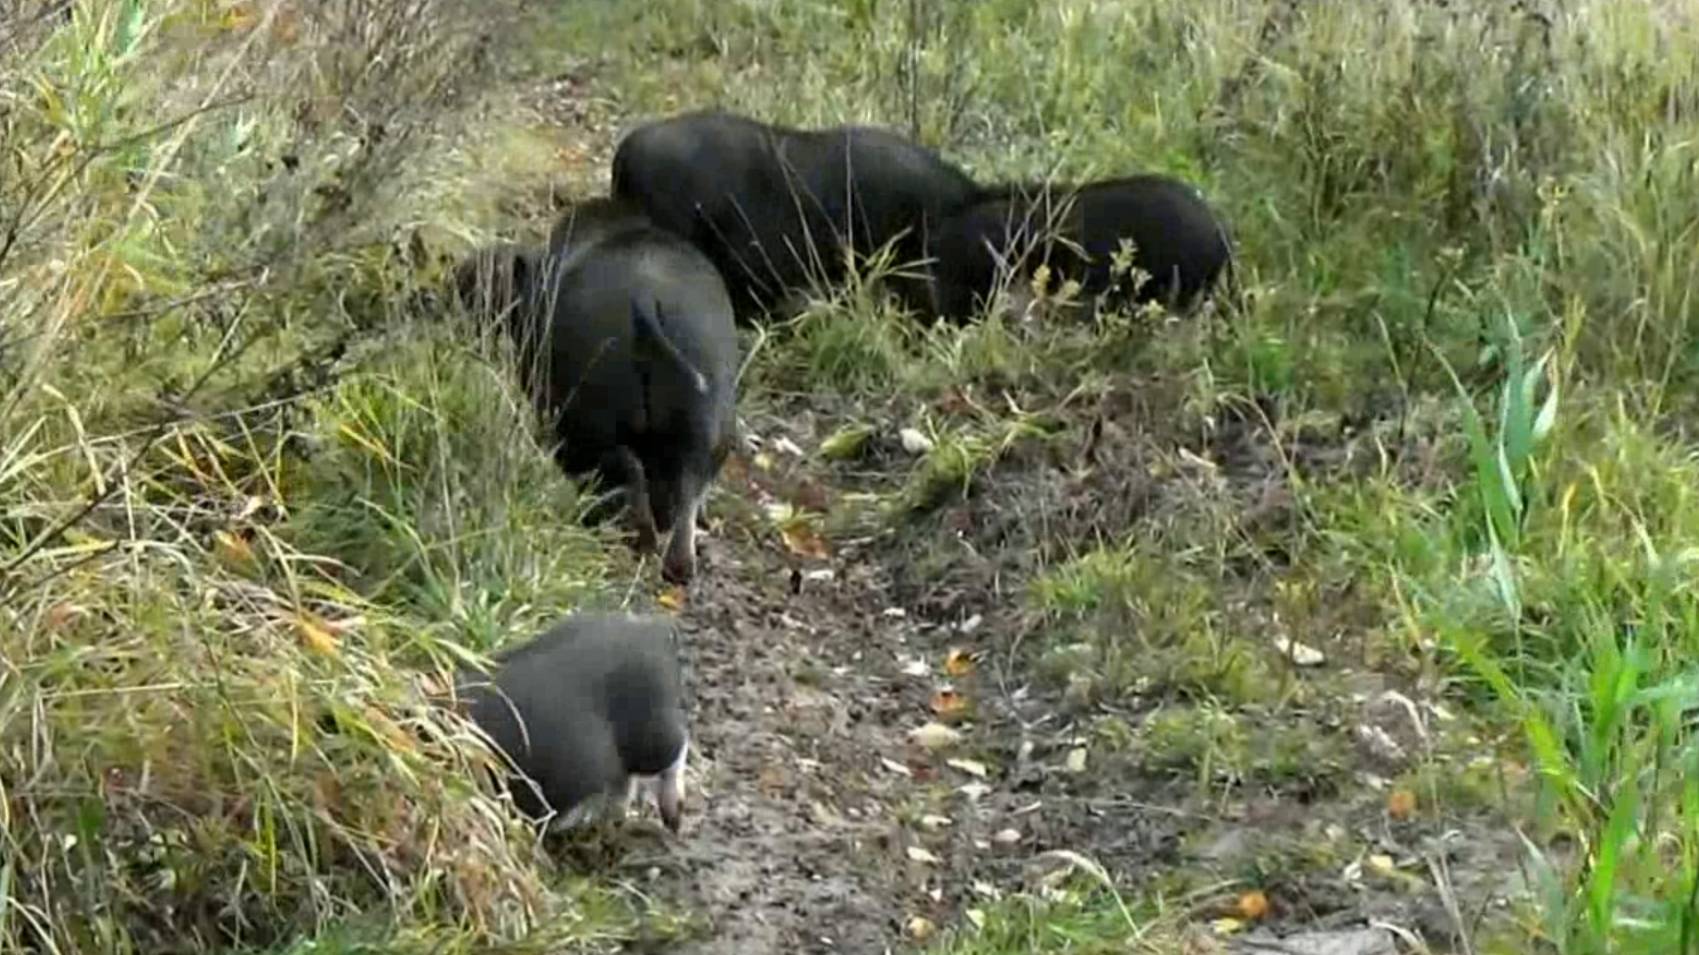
(678, 572)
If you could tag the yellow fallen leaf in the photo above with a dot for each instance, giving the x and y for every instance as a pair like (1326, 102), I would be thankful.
(957, 662)
(948, 703)
(1226, 926)
(972, 767)
(935, 735)
(920, 854)
(801, 539)
(315, 635)
(237, 17)
(232, 549)
(895, 767)
(672, 598)
(1076, 760)
(1400, 804)
(921, 928)
(386, 728)
(1252, 905)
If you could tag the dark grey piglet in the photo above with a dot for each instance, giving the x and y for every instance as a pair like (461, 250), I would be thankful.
(585, 712)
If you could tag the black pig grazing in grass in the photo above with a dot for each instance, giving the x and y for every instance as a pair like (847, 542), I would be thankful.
(584, 711)
(1077, 231)
(625, 337)
(773, 206)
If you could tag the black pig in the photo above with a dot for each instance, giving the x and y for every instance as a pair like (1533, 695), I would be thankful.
(773, 205)
(625, 337)
(1076, 231)
(583, 712)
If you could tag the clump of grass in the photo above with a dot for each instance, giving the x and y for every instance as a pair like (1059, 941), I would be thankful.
(1151, 625)
(1558, 582)
(252, 487)
(1073, 908)
(957, 458)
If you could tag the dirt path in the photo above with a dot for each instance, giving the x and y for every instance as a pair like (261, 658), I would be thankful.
(815, 822)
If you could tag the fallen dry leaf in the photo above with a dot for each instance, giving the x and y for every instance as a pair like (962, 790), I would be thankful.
(233, 549)
(1298, 653)
(1226, 926)
(921, 928)
(287, 27)
(957, 662)
(810, 494)
(385, 727)
(315, 635)
(61, 615)
(1006, 837)
(948, 703)
(1076, 760)
(803, 540)
(771, 777)
(735, 470)
(935, 735)
(672, 598)
(972, 767)
(238, 17)
(935, 822)
(1252, 905)
(1400, 804)
(954, 403)
(1382, 864)
(920, 854)
(914, 442)
(895, 766)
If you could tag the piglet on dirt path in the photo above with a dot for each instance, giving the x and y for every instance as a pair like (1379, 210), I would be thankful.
(584, 712)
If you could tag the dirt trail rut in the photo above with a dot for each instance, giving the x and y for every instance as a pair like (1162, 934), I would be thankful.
(817, 822)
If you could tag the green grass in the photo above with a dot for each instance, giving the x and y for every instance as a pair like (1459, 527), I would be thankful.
(246, 483)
